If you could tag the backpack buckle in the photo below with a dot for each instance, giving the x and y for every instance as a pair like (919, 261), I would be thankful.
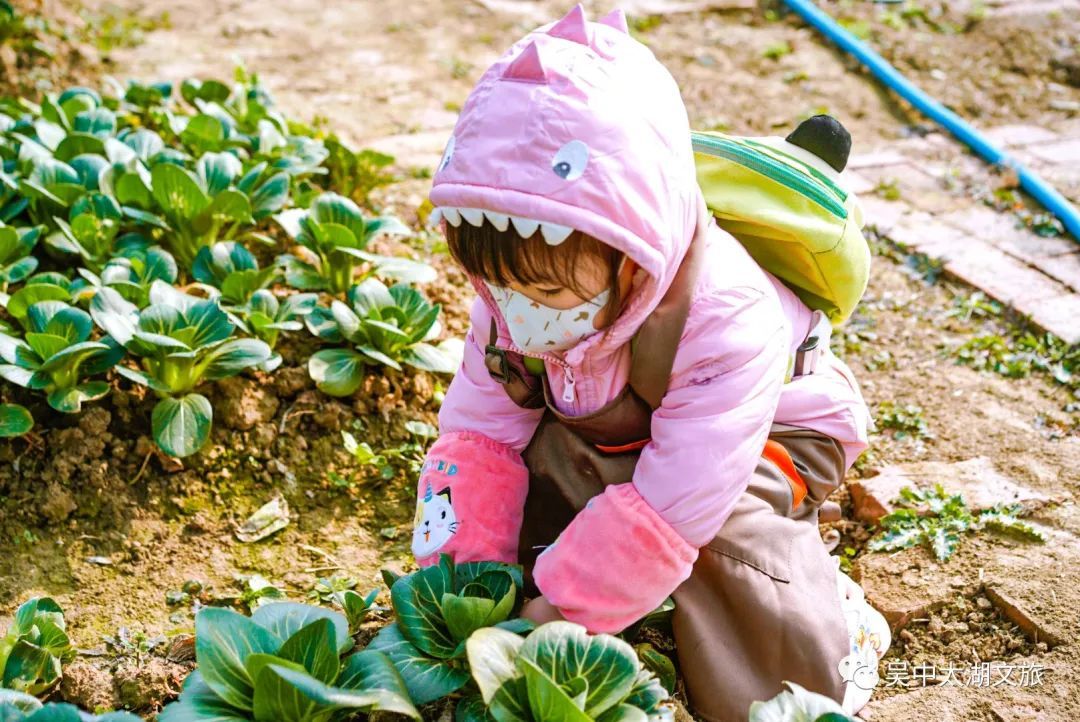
(813, 346)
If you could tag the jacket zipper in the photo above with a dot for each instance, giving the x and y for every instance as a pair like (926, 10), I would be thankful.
(568, 394)
(759, 162)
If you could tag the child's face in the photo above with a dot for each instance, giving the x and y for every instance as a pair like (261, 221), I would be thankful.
(592, 277)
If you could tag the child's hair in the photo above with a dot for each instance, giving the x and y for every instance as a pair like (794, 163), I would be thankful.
(500, 257)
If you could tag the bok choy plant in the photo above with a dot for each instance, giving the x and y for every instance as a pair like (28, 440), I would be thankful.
(57, 355)
(15, 420)
(390, 326)
(16, 245)
(232, 270)
(333, 237)
(209, 204)
(283, 664)
(132, 270)
(35, 647)
(436, 610)
(560, 672)
(21, 707)
(49, 286)
(182, 341)
(89, 232)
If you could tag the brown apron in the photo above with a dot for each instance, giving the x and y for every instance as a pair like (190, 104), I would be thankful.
(760, 606)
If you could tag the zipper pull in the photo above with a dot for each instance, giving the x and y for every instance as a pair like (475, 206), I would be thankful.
(568, 387)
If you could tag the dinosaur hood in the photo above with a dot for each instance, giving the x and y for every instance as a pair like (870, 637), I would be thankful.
(578, 126)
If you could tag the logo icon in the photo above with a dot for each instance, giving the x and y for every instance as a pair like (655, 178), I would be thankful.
(860, 668)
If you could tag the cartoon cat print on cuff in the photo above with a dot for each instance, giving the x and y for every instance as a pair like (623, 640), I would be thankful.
(435, 522)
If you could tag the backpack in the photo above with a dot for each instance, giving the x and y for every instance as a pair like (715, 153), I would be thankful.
(781, 198)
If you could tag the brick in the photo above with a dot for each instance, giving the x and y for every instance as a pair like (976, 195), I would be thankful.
(906, 176)
(1063, 268)
(922, 232)
(882, 214)
(1060, 315)
(1017, 135)
(1018, 613)
(1000, 275)
(903, 585)
(1038, 7)
(1005, 231)
(981, 484)
(856, 183)
(876, 158)
(1065, 152)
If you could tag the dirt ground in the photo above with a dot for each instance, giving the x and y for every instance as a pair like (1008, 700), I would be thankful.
(91, 516)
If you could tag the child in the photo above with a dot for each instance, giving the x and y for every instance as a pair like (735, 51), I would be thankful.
(658, 445)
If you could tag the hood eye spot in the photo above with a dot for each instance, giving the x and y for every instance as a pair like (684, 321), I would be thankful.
(569, 163)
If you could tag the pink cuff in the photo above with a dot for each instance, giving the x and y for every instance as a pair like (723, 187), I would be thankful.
(470, 500)
(615, 562)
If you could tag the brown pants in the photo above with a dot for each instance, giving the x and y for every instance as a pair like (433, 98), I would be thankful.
(761, 605)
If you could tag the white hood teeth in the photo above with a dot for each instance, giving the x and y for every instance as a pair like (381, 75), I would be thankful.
(553, 233)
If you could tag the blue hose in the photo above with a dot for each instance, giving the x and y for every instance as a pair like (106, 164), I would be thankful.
(1039, 189)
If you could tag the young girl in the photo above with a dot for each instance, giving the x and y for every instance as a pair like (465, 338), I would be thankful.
(633, 418)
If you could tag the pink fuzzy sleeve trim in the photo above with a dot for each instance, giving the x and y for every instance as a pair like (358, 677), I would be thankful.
(470, 500)
(614, 563)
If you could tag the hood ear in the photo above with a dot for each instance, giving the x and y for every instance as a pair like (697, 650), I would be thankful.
(527, 66)
(572, 26)
(616, 19)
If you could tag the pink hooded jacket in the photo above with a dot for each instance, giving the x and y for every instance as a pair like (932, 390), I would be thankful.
(516, 154)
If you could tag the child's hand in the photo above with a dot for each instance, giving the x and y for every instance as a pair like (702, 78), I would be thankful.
(541, 611)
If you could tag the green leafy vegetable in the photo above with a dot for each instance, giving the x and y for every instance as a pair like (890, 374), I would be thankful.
(16, 244)
(182, 341)
(232, 269)
(35, 647)
(15, 420)
(283, 664)
(20, 707)
(334, 236)
(57, 354)
(561, 672)
(89, 232)
(390, 326)
(437, 608)
(133, 269)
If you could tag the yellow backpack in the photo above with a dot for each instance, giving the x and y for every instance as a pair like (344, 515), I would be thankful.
(782, 199)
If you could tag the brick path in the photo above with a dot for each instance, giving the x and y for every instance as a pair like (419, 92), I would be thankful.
(936, 212)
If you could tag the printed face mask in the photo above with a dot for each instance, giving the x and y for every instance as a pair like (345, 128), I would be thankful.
(538, 328)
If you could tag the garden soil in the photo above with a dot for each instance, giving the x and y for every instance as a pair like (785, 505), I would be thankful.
(94, 517)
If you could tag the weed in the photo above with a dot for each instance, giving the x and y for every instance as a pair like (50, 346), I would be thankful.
(888, 188)
(1022, 351)
(903, 420)
(937, 519)
(325, 589)
(973, 305)
(407, 457)
(115, 27)
(847, 556)
(777, 50)
(641, 24)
